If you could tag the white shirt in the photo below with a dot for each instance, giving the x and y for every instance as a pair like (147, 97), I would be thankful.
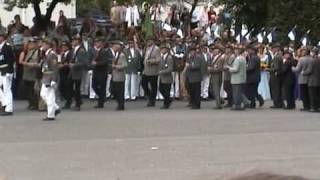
(2, 44)
(132, 52)
(48, 51)
(86, 45)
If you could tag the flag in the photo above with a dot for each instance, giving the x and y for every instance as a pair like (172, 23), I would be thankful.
(147, 26)
(217, 32)
(244, 30)
(304, 41)
(292, 35)
(269, 37)
(260, 38)
(238, 38)
(179, 33)
(167, 27)
(208, 31)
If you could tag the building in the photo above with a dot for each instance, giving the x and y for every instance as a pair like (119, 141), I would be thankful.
(27, 13)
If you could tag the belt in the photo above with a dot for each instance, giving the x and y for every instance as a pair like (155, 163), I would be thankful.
(3, 66)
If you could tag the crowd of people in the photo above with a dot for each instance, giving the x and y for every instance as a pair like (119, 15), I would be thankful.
(154, 54)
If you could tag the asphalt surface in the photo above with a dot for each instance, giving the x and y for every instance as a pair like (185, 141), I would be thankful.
(151, 144)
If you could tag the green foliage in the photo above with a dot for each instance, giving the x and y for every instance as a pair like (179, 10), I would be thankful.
(282, 14)
(10, 4)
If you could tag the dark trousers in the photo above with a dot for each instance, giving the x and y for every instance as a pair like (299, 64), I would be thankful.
(151, 92)
(76, 92)
(119, 93)
(251, 91)
(195, 94)
(65, 88)
(228, 88)
(304, 92)
(275, 86)
(314, 93)
(165, 91)
(99, 86)
(32, 96)
(288, 92)
(238, 94)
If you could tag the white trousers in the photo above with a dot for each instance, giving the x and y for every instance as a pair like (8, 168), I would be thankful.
(131, 86)
(175, 87)
(5, 92)
(109, 77)
(205, 83)
(159, 95)
(92, 94)
(49, 97)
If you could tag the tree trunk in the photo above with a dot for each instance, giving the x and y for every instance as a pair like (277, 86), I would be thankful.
(42, 22)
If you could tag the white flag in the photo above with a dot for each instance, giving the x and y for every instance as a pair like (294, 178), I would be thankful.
(238, 38)
(167, 27)
(244, 30)
(208, 31)
(216, 32)
(270, 37)
(260, 38)
(292, 36)
(179, 33)
(304, 41)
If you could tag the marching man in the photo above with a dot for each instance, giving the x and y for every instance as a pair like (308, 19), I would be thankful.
(49, 68)
(6, 75)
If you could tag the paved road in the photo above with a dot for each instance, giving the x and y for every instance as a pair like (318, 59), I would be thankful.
(151, 144)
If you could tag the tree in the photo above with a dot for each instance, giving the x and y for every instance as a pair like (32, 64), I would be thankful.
(281, 15)
(42, 21)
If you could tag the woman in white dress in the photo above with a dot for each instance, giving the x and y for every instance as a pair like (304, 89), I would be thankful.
(264, 88)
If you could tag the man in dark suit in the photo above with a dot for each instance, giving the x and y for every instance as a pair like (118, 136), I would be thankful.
(194, 76)
(165, 74)
(288, 80)
(275, 76)
(253, 77)
(65, 82)
(6, 75)
(78, 65)
(100, 73)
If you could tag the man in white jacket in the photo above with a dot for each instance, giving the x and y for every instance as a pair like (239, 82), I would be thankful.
(132, 15)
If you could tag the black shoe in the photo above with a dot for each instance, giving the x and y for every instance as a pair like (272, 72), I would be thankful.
(289, 108)
(227, 106)
(99, 106)
(58, 111)
(77, 108)
(237, 109)
(218, 108)
(120, 108)
(48, 119)
(164, 107)
(151, 104)
(67, 106)
(275, 107)
(195, 108)
(6, 114)
(261, 103)
(304, 109)
(314, 110)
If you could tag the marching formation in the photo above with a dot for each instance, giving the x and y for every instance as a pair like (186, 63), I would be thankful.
(165, 64)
